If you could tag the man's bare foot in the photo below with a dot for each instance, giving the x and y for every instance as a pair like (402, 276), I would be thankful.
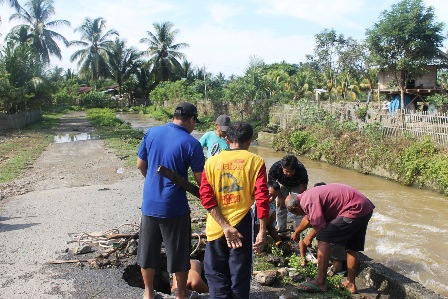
(303, 262)
(351, 287)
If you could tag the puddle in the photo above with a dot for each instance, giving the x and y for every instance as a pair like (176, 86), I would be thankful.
(63, 138)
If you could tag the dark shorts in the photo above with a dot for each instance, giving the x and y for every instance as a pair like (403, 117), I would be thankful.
(175, 234)
(347, 232)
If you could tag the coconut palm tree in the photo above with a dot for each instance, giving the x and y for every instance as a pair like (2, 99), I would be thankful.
(19, 37)
(163, 51)
(12, 3)
(123, 62)
(36, 16)
(92, 59)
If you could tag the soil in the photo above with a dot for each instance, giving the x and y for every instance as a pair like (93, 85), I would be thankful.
(72, 188)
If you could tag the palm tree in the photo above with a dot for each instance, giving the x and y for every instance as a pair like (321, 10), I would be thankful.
(12, 3)
(93, 58)
(37, 25)
(164, 53)
(123, 62)
(19, 37)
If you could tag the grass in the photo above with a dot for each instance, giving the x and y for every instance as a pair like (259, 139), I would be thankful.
(117, 135)
(261, 263)
(20, 148)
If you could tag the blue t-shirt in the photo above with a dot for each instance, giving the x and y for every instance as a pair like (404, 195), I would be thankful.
(214, 143)
(172, 146)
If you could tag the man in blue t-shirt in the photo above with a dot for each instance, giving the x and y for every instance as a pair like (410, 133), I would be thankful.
(165, 209)
(215, 141)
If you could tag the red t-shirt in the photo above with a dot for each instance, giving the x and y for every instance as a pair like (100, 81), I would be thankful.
(323, 204)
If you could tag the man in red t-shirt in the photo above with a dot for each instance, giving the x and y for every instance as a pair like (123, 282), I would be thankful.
(338, 214)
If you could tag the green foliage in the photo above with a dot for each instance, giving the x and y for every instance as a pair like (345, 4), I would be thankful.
(303, 141)
(118, 135)
(438, 100)
(411, 55)
(159, 113)
(361, 113)
(408, 160)
(282, 141)
(350, 126)
(294, 261)
(174, 92)
(23, 147)
(96, 99)
(310, 271)
(437, 171)
(63, 97)
(414, 161)
(276, 251)
(374, 132)
(105, 118)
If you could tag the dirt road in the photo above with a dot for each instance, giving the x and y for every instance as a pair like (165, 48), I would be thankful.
(73, 187)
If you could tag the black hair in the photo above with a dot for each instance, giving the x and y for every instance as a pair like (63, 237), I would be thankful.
(183, 117)
(290, 162)
(274, 185)
(239, 132)
(320, 184)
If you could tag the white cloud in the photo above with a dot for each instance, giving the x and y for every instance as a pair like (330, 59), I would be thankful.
(228, 50)
(326, 13)
(213, 30)
(220, 12)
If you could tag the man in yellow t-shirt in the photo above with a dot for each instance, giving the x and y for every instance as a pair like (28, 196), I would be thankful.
(231, 181)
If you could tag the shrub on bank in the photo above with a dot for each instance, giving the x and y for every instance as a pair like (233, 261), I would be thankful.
(409, 161)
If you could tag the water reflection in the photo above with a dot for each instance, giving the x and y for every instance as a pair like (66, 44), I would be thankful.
(409, 228)
(68, 137)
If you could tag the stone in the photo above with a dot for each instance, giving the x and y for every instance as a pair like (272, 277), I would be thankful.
(266, 278)
(82, 249)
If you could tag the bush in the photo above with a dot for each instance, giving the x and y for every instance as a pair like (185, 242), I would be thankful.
(303, 141)
(105, 118)
(361, 113)
(95, 99)
(65, 98)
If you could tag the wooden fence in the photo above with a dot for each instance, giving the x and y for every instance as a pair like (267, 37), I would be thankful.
(418, 124)
(414, 123)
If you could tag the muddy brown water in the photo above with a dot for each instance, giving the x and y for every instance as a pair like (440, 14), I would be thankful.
(409, 228)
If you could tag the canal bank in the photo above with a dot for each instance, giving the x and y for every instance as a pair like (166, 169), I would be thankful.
(405, 243)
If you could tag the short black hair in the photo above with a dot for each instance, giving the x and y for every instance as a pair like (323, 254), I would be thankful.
(240, 132)
(290, 162)
(320, 184)
(274, 184)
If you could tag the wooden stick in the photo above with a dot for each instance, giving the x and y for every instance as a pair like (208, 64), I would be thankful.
(70, 261)
(178, 180)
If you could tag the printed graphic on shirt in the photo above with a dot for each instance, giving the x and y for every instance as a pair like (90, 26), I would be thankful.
(231, 183)
(214, 149)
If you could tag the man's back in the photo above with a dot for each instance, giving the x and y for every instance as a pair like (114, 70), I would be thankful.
(232, 175)
(172, 146)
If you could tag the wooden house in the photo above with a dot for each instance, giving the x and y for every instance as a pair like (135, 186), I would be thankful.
(419, 88)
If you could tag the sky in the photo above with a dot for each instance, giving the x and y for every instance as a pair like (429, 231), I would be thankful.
(224, 35)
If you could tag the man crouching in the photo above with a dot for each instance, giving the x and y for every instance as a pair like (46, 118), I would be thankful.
(338, 214)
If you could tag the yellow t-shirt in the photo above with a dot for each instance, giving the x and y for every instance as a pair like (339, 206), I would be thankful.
(232, 175)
